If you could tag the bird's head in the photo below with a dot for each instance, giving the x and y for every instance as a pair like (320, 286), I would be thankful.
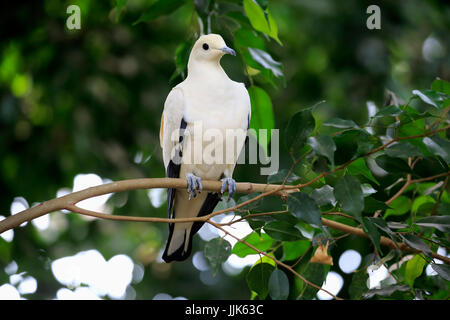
(210, 47)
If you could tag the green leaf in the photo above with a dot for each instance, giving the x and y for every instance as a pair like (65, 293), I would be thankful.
(269, 204)
(430, 97)
(304, 208)
(416, 243)
(256, 225)
(253, 205)
(263, 3)
(348, 192)
(264, 59)
(443, 208)
(414, 269)
(442, 269)
(382, 225)
(239, 18)
(259, 21)
(366, 143)
(413, 114)
(283, 231)
(397, 225)
(262, 115)
(412, 128)
(371, 205)
(217, 251)
(403, 150)
(315, 273)
(389, 111)
(299, 127)
(393, 165)
(182, 57)
(430, 166)
(262, 242)
(347, 149)
(367, 189)
(399, 206)
(386, 291)
(159, 8)
(438, 146)
(281, 175)
(256, 16)
(203, 7)
(119, 5)
(358, 286)
(340, 123)
(439, 85)
(441, 223)
(324, 146)
(371, 230)
(422, 200)
(5, 252)
(258, 278)
(273, 27)
(359, 167)
(246, 38)
(254, 67)
(294, 249)
(324, 195)
(278, 285)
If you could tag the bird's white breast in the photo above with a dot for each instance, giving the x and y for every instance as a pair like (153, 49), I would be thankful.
(223, 105)
(217, 108)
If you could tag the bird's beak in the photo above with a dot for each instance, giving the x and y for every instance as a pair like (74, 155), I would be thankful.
(229, 51)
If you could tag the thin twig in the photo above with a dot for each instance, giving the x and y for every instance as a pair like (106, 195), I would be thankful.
(401, 190)
(337, 213)
(444, 185)
(296, 162)
(253, 215)
(303, 255)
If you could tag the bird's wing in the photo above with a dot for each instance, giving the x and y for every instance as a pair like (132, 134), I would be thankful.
(171, 123)
(170, 134)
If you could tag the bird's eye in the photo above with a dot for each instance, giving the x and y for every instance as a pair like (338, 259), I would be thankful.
(205, 46)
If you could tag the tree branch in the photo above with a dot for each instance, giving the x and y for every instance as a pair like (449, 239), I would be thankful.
(69, 201)
(383, 240)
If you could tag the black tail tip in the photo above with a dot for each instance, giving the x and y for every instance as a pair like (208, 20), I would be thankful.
(178, 255)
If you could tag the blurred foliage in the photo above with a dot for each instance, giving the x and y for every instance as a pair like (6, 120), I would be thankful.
(90, 100)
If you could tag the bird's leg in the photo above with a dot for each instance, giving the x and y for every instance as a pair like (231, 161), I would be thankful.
(230, 184)
(194, 183)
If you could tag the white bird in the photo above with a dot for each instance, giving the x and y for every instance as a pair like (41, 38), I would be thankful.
(201, 138)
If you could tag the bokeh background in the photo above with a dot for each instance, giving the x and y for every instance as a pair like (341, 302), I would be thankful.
(82, 107)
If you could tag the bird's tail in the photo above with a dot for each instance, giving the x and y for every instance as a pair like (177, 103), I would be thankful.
(179, 244)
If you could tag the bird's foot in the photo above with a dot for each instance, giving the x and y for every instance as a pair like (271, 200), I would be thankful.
(230, 184)
(194, 183)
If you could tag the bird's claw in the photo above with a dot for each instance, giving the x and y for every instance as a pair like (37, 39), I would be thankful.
(194, 183)
(230, 184)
